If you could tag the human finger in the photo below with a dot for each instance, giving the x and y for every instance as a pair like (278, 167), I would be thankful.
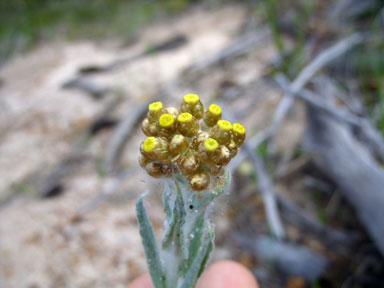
(227, 274)
(142, 282)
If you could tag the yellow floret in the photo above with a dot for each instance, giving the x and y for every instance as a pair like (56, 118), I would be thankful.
(149, 144)
(225, 125)
(166, 120)
(191, 99)
(215, 109)
(155, 106)
(238, 128)
(211, 144)
(184, 117)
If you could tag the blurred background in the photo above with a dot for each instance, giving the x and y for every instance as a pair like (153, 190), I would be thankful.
(306, 77)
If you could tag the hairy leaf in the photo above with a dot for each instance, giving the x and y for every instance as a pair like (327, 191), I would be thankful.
(150, 245)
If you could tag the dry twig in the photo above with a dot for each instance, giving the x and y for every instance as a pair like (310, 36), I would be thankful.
(239, 47)
(366, 132)
(265, 185)
(323, 59)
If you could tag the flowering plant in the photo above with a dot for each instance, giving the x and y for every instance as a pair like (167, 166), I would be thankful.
(189, 148)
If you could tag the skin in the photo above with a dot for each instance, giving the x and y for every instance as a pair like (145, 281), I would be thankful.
(224, 274)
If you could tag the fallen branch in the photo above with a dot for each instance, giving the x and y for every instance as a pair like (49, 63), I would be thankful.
(93, 89)
(288, 259)
(169, 44)
(351, 167)
(268, 194)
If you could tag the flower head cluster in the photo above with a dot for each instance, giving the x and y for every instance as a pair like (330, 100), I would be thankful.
(191, 141)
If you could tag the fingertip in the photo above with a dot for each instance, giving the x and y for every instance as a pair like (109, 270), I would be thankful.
(227, 274)
(141, 282)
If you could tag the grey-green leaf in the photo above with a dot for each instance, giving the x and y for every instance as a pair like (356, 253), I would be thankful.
(199, 261)
(180, 223)
(174, 228)
(150, 244)
(167, 207)
(195, 242)
(210, 249)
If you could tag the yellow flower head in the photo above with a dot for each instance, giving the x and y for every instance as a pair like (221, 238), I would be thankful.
(215, 109)
(238, 128)
(166, 120)
(225, 125)
(191, 99)
(211, 144)
(191, 140)
(149, 144)
(184, 117)
(155, 106)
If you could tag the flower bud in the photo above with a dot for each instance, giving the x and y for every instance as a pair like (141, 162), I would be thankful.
(238, 134)
(232, 148)
(192, 104)
(155, 148)
(149, 129)
(143, 161)
(200, 137)
(212, 115)
(173, 111)
(178, 145)
(188, 164)
(157, 170)
(166, 125)
(187, 124)
(224, 155)
(200, 181)
(155, 110)
(222, 132)
(208, 151)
